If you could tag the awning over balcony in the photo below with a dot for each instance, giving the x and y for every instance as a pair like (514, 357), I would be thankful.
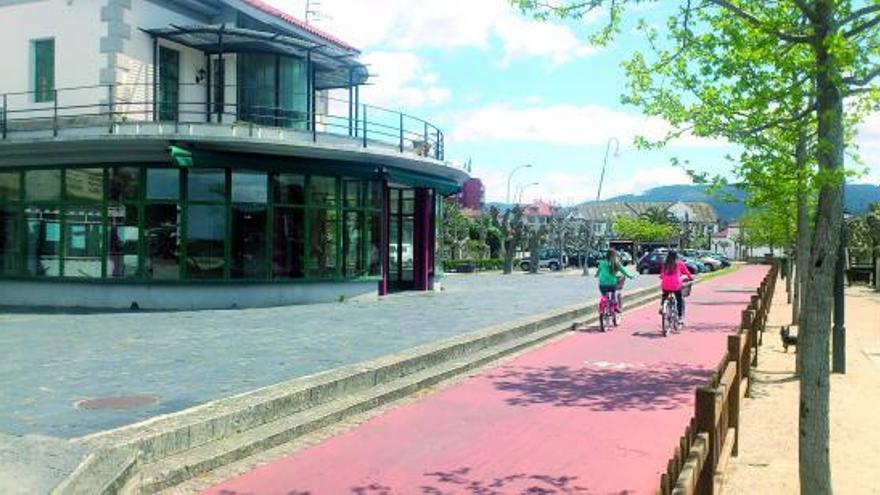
(335, 67)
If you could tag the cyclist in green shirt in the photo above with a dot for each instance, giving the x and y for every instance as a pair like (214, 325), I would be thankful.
(611, 274)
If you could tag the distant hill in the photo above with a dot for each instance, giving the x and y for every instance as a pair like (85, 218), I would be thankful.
(858, 198)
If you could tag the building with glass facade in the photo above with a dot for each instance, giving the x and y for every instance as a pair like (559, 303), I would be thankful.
(203, 154)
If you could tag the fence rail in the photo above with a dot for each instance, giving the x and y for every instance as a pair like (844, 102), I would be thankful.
(55, 111)
(698, 463)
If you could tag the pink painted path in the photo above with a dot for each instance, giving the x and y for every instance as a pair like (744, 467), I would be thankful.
(590, 414)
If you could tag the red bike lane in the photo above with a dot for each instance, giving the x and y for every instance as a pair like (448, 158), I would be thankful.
(590, 413)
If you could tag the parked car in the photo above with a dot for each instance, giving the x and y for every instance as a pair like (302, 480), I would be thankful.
(652, 263)
(625, 258)
(546, 259)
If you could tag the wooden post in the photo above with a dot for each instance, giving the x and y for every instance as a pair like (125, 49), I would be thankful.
(707, 409)
(734, 354)
(747, 326)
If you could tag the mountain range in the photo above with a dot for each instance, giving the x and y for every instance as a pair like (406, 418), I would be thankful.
(858, 198)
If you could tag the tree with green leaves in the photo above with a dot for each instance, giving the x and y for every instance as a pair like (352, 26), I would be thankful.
(643, 230)
(735, 69)
(658, 215)
(511, 227)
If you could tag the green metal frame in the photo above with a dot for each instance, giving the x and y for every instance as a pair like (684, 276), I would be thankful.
(339, 206)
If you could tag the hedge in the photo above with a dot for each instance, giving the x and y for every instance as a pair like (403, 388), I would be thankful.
(467, 266)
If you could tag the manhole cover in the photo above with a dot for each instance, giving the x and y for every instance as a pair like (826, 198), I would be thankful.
(116, 403)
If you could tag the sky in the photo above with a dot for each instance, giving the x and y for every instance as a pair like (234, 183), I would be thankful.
(509, 90)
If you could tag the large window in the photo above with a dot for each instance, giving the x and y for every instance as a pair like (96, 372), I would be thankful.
(272, 90)
(157, 223)
(43, 70)
(169, 83)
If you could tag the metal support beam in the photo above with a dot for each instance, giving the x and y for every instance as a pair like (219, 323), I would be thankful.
(221, 77)
(208, 87)
(155, 78)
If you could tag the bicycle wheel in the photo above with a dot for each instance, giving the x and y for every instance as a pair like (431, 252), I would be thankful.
(602, 317)
(615, 318)
(664, 319)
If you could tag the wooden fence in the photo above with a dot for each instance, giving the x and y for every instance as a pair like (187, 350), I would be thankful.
(699, 461)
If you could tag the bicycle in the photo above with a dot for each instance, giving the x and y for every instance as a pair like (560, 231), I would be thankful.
(669, 311)
(609, 313)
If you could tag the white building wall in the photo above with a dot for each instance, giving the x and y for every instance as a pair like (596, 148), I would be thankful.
(134, 65)
(77, 29)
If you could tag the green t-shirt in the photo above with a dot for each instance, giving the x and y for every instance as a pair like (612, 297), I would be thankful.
(606, 277)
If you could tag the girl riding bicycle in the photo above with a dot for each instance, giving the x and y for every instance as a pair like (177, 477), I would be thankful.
(611, 274)
(671, 275)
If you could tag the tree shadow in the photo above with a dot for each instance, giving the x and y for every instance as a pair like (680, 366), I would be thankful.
(644, 334)
(666, 386)
(463, 481)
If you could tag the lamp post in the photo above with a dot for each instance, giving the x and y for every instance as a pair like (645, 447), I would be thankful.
(510, 176)
(522, 189)
(605, 163)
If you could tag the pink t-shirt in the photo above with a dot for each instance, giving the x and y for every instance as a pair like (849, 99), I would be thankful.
(672, 281)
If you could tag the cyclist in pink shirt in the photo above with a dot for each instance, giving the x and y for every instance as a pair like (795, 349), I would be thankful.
(671, 275)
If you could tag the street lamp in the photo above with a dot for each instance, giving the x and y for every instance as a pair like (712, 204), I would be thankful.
(605, 162)
(510, 176)
(522, 189)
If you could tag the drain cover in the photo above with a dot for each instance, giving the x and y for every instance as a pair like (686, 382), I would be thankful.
(121, 402)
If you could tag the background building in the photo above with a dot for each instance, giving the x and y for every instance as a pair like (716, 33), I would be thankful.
(282, 186)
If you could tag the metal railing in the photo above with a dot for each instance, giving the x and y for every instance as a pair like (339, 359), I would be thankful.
(113, 104)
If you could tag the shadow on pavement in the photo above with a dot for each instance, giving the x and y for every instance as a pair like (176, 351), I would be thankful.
(601, 389)
(463, 481)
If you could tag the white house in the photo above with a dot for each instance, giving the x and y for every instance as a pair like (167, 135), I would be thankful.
(161, 153)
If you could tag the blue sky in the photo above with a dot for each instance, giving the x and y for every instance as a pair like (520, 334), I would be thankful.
(508, 90)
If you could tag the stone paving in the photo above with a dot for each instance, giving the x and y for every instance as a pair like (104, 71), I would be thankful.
(52, 361)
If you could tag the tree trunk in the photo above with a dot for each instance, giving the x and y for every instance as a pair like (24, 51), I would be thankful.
(533, 252)
(588, 240)
(789, 275)
(507, 254)
(813, 446)
(803, 232)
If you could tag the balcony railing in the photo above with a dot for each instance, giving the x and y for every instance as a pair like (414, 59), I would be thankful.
(112, 106)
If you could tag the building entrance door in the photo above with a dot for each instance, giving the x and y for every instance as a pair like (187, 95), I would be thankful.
(410, 239)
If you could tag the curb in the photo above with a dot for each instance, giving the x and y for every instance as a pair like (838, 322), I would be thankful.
(167, 450)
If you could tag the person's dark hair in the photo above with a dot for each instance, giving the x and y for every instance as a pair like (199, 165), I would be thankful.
(670, 266)
(612, 259)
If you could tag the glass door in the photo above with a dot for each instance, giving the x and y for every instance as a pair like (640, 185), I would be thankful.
(400, 239)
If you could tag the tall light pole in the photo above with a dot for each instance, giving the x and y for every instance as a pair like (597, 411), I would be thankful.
(522, 189)
(510, 176)
(605, 163)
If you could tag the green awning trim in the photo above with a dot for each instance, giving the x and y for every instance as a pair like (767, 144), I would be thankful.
(413, 179)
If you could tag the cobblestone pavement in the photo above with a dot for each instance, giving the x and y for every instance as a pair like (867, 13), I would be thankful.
(51, 361)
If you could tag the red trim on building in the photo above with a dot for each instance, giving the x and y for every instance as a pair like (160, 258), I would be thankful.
(268, 9)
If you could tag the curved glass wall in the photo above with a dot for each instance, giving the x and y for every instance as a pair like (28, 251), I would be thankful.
(161, 224)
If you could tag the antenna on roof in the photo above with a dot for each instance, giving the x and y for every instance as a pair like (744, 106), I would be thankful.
(314, 12)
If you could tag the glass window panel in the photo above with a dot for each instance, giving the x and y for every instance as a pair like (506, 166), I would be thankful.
(408, 201)
(352, 245)
(206, 241)
(43, 242)
(288, 253)
(207, 185)
(322, 243)
(354, 193)
(322, 191)
(169, 83)
(162, 233)
(83, 240)
(374, 244)
(293, 97)
(257, 88)
(290, 189)
(122, 261)
(374, 195)
(10, 186)
(163, 183)
(249, 187)
(44, 70)
(125, 183)
(406, 249)
(10, 240)
(42, 185)
(393, 247)
(249, 241)
(84, 184)
(394, 198)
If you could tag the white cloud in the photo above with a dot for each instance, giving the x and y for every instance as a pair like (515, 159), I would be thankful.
(403, 81)
(408, 25)
(563, 125)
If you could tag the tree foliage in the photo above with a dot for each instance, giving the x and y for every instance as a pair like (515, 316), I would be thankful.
(643, 230)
